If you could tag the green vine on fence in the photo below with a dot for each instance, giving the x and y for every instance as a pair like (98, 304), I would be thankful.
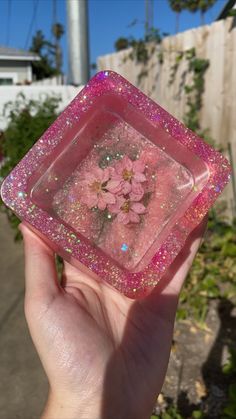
(141, 52)
(142, 49)
(194, 91)
(197, 68)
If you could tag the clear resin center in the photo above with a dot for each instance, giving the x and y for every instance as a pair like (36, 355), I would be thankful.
(122, 194)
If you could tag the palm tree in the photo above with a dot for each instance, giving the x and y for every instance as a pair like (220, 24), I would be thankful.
(38, 42)
(58, 31)
(199, 5)
(177, 6)
(43, 68)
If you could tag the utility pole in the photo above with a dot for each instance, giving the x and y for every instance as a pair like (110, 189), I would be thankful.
(77, 30)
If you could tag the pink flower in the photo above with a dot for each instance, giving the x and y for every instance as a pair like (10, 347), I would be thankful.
(126, 178)
(127, 210)
(96, 192)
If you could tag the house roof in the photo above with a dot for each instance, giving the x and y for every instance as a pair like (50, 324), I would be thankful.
(7, 53)
(230, 4)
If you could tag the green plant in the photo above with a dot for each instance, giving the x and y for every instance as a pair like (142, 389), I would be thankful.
(199, 5)
(197, 414)
(192, 6)
(177, 6)
(232, 12)
(141, 49)
(58, 31)
(27, 120)
(44, 67)
(121, 43)
(229, 368)
(213, 274)
(175, 67)
(171, 412)
(50, 54)
(194, 91)
(230, 409)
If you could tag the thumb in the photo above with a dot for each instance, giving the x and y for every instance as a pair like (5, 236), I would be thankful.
(40, 269)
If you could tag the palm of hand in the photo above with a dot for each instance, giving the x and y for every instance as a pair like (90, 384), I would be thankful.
(96, 342)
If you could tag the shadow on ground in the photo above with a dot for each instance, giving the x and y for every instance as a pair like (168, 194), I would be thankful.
(23, 386)
(216, 383)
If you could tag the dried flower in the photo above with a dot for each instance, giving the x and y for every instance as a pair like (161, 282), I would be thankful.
(126, 178)
(96, 191)
(117, 188)
(127, 210)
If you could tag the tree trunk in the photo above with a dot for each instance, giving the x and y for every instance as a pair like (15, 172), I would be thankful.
(177, 23)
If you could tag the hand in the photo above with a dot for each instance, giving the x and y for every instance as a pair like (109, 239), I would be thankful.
(105, 355)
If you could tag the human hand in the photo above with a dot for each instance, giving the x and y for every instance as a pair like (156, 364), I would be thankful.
(105, 355)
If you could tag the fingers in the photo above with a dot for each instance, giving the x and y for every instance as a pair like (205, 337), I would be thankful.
(79, 275)
(164, 299)
(70, 274)
(40, 270)
(178, 271)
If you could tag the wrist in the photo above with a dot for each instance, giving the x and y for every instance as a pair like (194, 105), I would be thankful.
(62, 407)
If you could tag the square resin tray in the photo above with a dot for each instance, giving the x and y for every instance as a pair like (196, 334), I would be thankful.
(117, 184)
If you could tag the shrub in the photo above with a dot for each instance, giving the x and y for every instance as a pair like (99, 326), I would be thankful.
(27, 120)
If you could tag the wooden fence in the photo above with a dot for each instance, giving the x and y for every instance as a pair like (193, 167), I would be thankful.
(215, 42)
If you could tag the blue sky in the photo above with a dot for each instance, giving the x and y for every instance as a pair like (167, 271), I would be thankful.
(108, 20)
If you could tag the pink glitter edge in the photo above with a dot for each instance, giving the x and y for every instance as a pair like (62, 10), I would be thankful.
(131, 284)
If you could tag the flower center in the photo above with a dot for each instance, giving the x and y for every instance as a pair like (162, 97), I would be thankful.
(127, 174)
(96, 186)
(126, 206)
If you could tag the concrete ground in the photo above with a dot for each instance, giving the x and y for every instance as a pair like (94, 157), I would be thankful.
(23, 385)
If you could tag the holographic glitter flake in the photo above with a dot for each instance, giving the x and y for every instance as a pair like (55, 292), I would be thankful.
(108, 121)
(124, 247)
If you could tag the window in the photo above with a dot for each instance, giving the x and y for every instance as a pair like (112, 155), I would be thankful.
(6, 81)
(8, 78)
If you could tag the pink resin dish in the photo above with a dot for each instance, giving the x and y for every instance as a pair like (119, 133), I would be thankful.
(117, 184)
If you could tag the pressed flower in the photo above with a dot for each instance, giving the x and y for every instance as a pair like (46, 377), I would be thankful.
(126, 178)
(95, 189)
(127, 210)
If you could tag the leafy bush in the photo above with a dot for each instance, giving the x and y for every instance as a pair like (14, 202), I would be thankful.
(27, 120)
(172, 412)
(213, 274)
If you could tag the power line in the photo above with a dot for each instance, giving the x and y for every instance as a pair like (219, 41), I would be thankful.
(8, 22)
(36, 2)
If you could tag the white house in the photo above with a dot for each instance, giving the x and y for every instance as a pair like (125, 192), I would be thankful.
(15, 66)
